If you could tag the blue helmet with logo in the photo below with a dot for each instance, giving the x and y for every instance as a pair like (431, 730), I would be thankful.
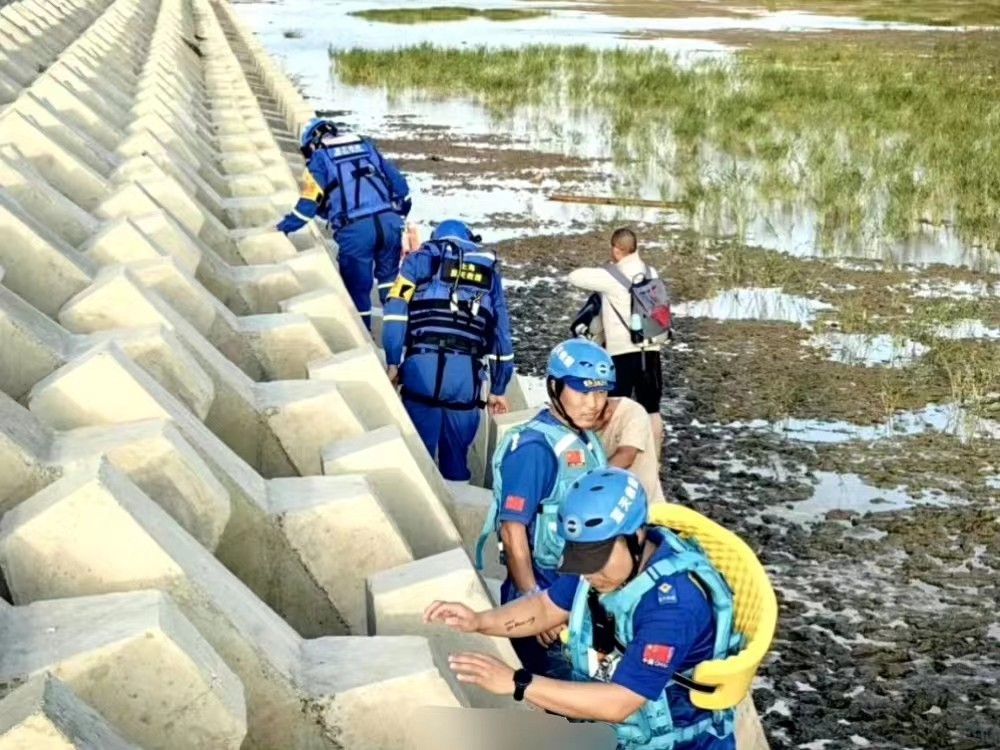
(582, 365)
(313, 133)
(454, 228)
(604, 504)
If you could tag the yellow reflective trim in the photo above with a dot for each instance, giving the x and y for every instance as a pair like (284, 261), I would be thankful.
(403, 288)
(310, 188)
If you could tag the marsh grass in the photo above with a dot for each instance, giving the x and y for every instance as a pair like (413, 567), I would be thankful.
(876, 141)
(440, 13)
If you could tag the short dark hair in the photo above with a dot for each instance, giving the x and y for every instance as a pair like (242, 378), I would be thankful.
(624, 239)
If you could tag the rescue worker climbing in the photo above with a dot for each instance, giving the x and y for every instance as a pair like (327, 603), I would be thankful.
(363, 197)
(446, 312)
(645, 607)
(533, 466)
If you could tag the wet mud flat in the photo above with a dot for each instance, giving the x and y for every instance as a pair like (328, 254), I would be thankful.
(885, 553)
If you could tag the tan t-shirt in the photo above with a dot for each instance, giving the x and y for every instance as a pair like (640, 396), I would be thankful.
(629, 425)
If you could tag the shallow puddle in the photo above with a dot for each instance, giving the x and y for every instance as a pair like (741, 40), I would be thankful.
(754, 304)
(880, 350)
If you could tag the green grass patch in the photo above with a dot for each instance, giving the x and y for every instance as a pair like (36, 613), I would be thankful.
(439, 13)
(877, 140)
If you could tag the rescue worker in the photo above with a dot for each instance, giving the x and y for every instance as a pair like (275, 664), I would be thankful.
(447, 311)
(533, 466)
(644, 607)
(363, 197)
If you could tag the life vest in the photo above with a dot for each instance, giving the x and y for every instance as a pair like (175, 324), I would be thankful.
(454, 308)
(573, 458)
(652, 726)
(359, 187)
(453, 312)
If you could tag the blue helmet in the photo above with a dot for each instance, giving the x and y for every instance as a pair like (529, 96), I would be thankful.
(313, 133)
(582, 365)
(454, 228)
(604, 504)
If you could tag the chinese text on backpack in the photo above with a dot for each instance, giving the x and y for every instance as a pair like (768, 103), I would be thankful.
(650, 302)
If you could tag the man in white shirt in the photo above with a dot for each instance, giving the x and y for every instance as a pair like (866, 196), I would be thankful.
(639, 369)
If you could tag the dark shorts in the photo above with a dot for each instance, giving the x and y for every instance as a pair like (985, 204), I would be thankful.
(637, 383)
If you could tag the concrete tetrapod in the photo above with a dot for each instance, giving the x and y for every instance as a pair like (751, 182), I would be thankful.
(300, 694)
(133, 658)
(44, 714)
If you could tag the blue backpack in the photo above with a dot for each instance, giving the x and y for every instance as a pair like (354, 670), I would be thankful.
(360, 188)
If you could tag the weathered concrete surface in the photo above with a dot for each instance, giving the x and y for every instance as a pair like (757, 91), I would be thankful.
(52, 546)
(397, 599)
(44, 714)
(136, 660)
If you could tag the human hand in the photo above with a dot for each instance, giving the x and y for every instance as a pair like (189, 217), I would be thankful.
(547, 637)
(392, 371)
(486, 672)
(498, 404)
(453, 614)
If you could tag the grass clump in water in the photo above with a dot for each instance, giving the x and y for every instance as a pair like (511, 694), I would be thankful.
(440, 13)
(875, 140)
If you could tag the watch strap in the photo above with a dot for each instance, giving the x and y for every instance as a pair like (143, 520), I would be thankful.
(522, 678)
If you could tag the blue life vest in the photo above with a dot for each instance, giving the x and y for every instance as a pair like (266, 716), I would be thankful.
(573, 458)
(652, 726)
(453, 311)
(454, 308)
(359, 188)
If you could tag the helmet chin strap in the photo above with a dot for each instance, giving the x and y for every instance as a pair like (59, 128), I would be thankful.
(555, 389)
(635, 550)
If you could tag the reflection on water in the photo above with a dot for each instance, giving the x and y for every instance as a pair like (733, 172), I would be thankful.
(754, 304)
(850, 493)
(869, 350)
(659, 173)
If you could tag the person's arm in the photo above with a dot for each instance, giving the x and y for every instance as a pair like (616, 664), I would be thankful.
(313, 178)
(395, 318)
(635, 433)
(501, 356)
(623, 457)
(527, 475)
(397, 182)
(514, 536)
(593, 279)
(519, 618)
(597, 701)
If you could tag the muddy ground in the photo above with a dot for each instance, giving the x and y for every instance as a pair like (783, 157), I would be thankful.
(888, 634)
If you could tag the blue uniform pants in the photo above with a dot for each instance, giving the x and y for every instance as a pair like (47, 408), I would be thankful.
(369, 251)
(447, 433)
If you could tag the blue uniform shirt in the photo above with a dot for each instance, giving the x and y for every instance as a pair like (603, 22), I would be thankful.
(672, 631)
(317, 175)
(528, 475)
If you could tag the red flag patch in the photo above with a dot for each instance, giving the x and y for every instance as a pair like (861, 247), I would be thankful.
(514, 503)
(574, 458)
(656, 655)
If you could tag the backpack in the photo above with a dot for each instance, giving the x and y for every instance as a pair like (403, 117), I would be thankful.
(650, 319)
(360, 188)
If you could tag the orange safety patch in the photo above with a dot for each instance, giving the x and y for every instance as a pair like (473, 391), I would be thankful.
(310, 188)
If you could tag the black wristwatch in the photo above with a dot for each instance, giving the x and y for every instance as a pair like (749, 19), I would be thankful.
(522, 678)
